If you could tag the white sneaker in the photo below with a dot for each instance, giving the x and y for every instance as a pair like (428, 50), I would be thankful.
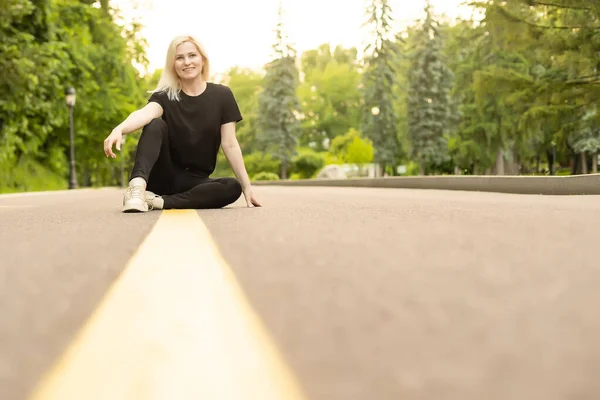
(134, 199)
(150, 200)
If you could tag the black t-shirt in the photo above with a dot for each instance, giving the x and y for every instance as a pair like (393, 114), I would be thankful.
(194, 124)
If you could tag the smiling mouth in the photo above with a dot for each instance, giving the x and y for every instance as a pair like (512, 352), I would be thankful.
(188, 69)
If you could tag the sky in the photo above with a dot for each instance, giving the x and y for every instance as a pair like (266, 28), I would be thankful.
(240, 32)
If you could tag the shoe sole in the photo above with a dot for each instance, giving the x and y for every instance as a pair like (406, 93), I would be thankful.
(135, 208)
(133, 211)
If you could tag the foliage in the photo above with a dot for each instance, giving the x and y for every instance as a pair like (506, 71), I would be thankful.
(265, 176)
(246, 85)
(329, 95)
(379, 120)
(429, 101)
(534, 68)
(279, 106)
(29, 175)
(260, 162)
(255, 162)
(351, 148)
(506, 88)
(307, 162)
(46, 46)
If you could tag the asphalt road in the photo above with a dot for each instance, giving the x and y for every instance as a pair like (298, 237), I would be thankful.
(368, 293)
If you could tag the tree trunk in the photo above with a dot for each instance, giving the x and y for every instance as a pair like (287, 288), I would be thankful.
(500, 162)
(421, 167)
(500, 154)
(584, 166)
(595, 163)
(537, 164)
(516, 167)
(283, 170)
(377, 169)
(550, 162)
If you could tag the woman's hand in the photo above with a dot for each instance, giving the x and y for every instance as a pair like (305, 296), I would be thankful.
(251, 199)
(114, 138)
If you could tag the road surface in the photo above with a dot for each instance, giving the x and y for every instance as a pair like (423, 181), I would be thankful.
(357, 294)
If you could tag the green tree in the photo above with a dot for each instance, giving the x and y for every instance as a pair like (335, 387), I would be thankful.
(567, 74)
(329, 96)
(306, 163)
(493, 83)
(360, 151)
(318, 59)
(351, 148)
(279, 106)
(46, 46)
(586, 140)
(246, 85)
(379, 121)
(430, 107)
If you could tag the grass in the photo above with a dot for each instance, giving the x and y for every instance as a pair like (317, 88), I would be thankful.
(29, 176)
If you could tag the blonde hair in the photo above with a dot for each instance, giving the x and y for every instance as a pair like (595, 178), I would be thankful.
(169, 82)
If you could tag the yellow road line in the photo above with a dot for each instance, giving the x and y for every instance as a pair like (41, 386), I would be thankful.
(174, 326)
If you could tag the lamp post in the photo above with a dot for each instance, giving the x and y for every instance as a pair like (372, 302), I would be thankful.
(123, 161)
(375, 112)
(70, 97)
(553, 169)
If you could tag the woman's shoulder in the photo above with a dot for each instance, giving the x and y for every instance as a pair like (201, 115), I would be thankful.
(220, 88)
(159, 94)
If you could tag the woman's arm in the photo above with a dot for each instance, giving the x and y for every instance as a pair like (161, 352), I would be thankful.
(233, 153)
(136, 120)
(140, 118)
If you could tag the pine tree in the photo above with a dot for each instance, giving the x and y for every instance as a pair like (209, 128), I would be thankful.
(429, 101)
(278, 103)
(567, 75)
(379, 117)
(586, 139)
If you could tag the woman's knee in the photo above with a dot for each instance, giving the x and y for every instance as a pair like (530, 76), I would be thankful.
(156, 125)
(232, 189)
(155, 129)
(235, 188)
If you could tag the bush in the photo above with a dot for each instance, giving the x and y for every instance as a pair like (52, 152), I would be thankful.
(351, 148)
(412, 169)
(222, 169)
(307, 163)
(265, 176)
(255, 162)
(258, 162)
(29, 176)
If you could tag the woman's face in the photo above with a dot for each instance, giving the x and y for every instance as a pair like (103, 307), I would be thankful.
(188, 61)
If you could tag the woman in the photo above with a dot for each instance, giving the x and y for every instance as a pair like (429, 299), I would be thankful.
(184, 122)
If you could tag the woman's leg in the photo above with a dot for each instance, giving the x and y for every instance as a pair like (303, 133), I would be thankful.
(152, 169)
(207, 193)
(153, 158)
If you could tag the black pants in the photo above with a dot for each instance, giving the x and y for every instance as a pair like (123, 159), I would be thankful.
(178, 187)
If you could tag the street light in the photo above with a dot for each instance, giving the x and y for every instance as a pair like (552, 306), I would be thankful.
(553, 169)
(375, 112)
(70, 97)
(123, 161)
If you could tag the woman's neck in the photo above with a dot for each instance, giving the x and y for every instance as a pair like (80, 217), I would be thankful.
(194, 88)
